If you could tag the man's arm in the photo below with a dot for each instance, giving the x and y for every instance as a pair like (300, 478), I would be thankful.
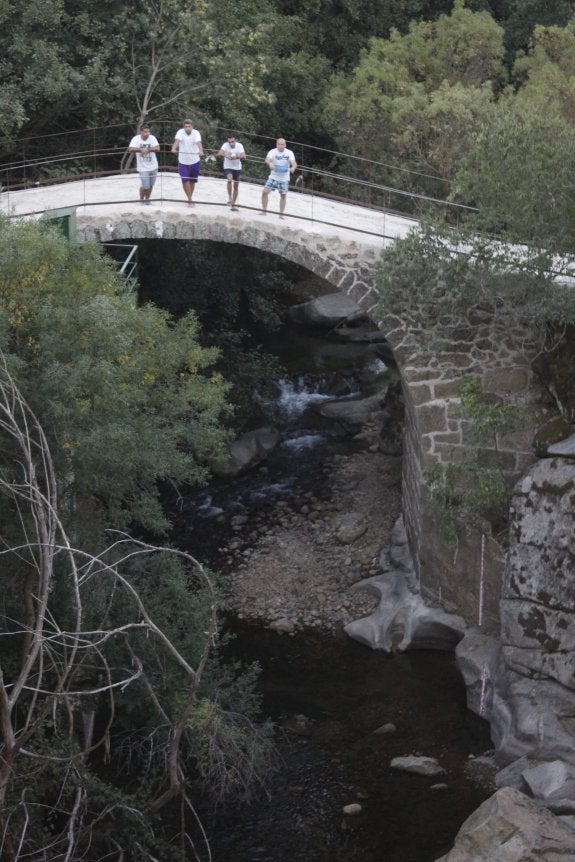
(200, 149)
(292, 166)
(176, 145)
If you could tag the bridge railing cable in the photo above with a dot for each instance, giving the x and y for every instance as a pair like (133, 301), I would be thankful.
(102, 151)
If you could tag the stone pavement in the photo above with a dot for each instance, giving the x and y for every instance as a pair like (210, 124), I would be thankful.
(112, 195)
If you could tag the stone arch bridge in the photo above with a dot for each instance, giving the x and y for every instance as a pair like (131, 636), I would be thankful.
(341, 243)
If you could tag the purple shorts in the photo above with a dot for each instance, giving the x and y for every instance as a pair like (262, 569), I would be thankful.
(189, 173)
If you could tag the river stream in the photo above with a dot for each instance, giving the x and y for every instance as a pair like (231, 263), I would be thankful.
(329, 696)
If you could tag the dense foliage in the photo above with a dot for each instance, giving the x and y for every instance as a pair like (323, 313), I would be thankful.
(109, 652)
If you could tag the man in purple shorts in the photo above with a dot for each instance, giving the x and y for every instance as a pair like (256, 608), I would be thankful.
(188, 145)
(281, 163)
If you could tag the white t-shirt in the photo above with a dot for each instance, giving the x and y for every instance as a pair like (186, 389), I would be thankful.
(282, 161)
(188, 152)
(145, 162)
(238, 149)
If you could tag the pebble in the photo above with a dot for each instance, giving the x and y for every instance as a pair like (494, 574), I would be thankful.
(353, 809)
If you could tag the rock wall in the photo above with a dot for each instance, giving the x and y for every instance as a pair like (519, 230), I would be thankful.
(524, 684)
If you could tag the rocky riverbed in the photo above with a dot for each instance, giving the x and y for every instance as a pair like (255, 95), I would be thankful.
(295, 566)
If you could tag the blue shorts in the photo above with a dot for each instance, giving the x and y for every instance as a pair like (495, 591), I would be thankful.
(232, 174)
(148, 178)
(189, 173)
(280, 186)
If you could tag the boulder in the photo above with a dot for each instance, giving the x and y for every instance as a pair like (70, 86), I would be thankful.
(418, 765)
(402, 619)
(510, 827)
(565, 448)
(554, 778)
(533, 687)
(478, 657)
(327, 311)
(352, 412)
(246, 452)
(349, 527)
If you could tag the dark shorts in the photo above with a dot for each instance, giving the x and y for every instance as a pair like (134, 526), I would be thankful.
(189, 173)
(232, 174)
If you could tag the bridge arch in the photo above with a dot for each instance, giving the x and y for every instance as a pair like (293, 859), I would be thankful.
(349, 265)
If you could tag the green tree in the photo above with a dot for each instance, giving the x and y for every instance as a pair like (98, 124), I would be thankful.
(517, 171)
(339, 29)
(546, 73)
(520, 17)
(104, 653)
(438, 277)
(70, 63)
(411, 91)
(127, 395)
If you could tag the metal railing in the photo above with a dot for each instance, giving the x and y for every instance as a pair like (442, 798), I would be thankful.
(126, 255)
(102, 151)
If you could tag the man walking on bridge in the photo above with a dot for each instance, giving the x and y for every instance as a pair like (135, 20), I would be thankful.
(188, 145)
(145, 146)
(233, 153)
(281, 163)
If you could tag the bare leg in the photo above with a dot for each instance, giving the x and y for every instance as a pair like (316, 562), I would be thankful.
(235, 194)
(192, 190)
(187, 190)
(283, 199)
(265, 196)
(229, 191)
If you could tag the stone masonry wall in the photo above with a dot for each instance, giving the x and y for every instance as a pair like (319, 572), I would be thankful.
(466, 578)
(349, 266)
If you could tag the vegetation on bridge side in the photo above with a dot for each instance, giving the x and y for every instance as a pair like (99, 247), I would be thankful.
(445, 286)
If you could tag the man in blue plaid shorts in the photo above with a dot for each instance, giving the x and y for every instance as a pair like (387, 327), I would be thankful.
(282, 163)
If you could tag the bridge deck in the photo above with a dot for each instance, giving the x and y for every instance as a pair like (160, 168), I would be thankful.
(307, 211)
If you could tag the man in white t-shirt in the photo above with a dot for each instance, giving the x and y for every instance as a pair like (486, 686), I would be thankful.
(145, 146)
(188, 145)
(281, 163)
(233, 154)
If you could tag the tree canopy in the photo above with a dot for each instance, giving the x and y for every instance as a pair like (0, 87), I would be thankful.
(127, 395)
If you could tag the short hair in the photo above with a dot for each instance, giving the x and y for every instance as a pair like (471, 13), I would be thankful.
(144, 126)
(191, 122)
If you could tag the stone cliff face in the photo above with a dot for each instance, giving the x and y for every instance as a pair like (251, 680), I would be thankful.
(524, 684)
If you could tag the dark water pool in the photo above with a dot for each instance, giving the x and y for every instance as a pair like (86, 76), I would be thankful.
(327, 696)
